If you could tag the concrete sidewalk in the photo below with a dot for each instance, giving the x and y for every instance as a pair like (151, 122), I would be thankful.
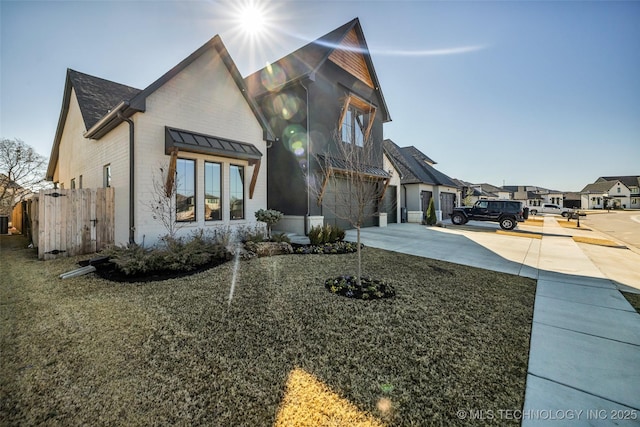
(584, 360)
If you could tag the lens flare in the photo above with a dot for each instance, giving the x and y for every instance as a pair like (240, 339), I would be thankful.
(295, 139)
(272, 77)
(287, 106)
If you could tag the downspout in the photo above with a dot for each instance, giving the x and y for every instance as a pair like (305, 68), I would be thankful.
(132, 187)
(306, 216)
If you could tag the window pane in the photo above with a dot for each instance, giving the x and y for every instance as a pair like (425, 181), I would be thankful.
(347, 127)
(236, 191)
(106, 176)
(212, 192)
(359, 128)
(185, 190)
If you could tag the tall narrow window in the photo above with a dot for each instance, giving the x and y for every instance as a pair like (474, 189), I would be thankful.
(354, 126)
(80, 182)
(185, 190)
(212, 191)
(106, 176)
(73, 183)
(236, 191)
(356, 120)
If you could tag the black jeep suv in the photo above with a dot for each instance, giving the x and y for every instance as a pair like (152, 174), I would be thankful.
(505, 212)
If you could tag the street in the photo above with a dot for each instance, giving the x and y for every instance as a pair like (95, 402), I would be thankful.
(621, 225)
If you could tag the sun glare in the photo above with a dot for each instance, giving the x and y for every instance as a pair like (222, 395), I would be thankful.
(252, 18)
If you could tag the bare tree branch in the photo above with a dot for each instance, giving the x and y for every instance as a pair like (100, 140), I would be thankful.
(353, 176)
(22, 171)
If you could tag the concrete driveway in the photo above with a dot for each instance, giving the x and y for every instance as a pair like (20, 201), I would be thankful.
(584, 358)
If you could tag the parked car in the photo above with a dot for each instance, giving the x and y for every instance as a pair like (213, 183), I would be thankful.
(507, 213)
(550, 209)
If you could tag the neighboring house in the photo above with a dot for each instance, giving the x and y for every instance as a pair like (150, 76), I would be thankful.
(633, 184)
(535, 196)
(323, 94)
(607, 193)
(196, 121)
(471, 193)
(572, 200)
(421, 182)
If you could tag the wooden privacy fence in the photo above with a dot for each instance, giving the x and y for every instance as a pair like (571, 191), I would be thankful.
(71, 222)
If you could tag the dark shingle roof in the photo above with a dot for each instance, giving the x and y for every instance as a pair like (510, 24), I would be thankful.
(599, 187)
(629, 181)
(97, 96)
(413, 168)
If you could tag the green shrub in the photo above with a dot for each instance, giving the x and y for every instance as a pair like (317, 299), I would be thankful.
(177, 254)
(132, 258)
(431, 213)
(280, 238)
(316, 235)
(319, 235)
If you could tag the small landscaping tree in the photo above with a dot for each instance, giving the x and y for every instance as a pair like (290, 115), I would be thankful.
(349, 167)
(431, 213)
(163, 199)
(270, 217)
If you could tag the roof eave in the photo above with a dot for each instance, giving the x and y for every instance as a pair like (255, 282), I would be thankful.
(55, 150)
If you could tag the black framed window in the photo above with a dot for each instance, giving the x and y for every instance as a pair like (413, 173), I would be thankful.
(106, 176)
(236, 192)
(212, 191)
(354, 126)
(185, 190)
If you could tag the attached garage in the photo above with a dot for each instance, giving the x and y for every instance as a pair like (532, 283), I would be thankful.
(339, 205)
(447, 202)
(390, 202)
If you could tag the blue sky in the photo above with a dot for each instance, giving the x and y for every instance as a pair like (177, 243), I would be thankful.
(510, 92)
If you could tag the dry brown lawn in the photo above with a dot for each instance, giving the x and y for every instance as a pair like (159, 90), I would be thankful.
(86, 351)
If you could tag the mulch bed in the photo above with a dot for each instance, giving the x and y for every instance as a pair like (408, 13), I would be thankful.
(110, 271)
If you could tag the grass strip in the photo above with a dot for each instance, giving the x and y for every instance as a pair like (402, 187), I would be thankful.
(520, 234)
(569, 224)
(599, 242)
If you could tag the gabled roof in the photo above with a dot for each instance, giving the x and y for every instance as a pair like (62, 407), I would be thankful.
(629, 181)
(304, 62)
(413, 168)
(493, 189)
(96, 96)
(105, 104)
(599, 187)
(418, 154)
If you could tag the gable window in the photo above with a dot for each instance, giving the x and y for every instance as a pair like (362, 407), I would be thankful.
(356, 121)
(212, 191)
(236, 191)
(106, 176)
(185, 190)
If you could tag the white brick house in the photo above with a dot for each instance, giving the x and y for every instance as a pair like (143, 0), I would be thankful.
(198, 112)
